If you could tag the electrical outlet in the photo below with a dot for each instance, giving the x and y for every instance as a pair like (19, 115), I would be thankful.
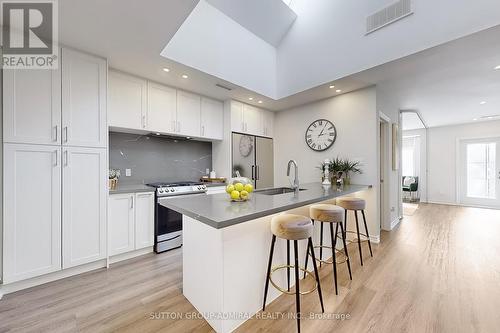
(128, 172)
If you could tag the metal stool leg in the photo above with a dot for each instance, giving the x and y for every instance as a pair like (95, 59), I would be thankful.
(271, 252)
(310, 246)
(334, 260)
(321, 244)
(297, 292)
(345, 223)
(367, 234)
(359, 238)
(288, 263)
(345, 250)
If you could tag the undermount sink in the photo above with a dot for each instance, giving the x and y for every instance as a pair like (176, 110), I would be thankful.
(277, 191)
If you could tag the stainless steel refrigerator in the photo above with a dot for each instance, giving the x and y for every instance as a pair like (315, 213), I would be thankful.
(253, 157)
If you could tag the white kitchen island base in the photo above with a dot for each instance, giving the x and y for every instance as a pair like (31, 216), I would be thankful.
(224, 270)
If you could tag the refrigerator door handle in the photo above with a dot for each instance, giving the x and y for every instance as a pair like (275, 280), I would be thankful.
(253, 172)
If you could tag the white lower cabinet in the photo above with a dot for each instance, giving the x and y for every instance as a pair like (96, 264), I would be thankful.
(84, 205)
(32, 211)
(144, 220)
(131, 222)
(121, 223)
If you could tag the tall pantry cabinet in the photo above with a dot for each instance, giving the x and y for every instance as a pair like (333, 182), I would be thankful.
(55, 166)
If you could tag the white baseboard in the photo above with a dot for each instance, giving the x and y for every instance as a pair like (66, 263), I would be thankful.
(444, 203)
(130, 255)
(39, 280)
(375, 239)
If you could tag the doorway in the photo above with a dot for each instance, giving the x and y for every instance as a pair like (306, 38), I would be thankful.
(479, 180)
(384, 172)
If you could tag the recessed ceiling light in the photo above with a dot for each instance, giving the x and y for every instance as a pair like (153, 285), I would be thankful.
(474, 119)
(188, 137)
(260, 102)
(250, 98)
(165, 69)
(483, 102)
(157, 133)
(498, 67)
(184, 76)
(331, 86)
(490, 117)
(338, 90)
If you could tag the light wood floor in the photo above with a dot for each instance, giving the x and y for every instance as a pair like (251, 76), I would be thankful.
(439, 271)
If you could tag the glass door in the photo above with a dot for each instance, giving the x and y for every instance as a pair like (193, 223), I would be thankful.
(480, 172)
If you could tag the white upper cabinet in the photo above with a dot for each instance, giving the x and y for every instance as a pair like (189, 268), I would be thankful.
(267, 123)
(84, 205)
(253, 120)
(237, 123)
(144, 220)
(32, 211)
(188, 113)
(127, 101)
(84, 97)
(121, 223)
(32, 106)
(162, 104)
(212, 119)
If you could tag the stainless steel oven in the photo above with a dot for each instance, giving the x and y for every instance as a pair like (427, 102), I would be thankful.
(168, 223)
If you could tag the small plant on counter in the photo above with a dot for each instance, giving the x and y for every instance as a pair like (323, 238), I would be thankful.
(350, 167)
(341, 168)
(114, 175)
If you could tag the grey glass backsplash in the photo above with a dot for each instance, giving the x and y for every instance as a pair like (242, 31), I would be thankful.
(153, 159)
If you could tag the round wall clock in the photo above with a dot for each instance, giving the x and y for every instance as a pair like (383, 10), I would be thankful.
(246, 145)
(320, 135)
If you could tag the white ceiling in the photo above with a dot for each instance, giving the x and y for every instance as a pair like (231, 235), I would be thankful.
(411, 121)
(267, 19)
(445, 83)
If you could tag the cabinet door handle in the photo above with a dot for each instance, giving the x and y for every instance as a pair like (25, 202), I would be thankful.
(56, 154)
(55, 133)
(253, 172)
(132, 202)
(143, 121)
(65, 133)
(66, 158)
(202, 130)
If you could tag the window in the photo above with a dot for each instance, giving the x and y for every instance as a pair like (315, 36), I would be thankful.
(481, 179)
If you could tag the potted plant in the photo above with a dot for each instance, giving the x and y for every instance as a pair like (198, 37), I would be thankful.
(350, 167)
(334, 168)
(114, 174)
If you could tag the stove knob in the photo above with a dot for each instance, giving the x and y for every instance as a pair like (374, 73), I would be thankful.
(199, 187)
(172, 190)
(204, 187)
(160, 190)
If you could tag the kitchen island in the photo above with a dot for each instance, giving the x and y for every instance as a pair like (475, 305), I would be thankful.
(226, 248)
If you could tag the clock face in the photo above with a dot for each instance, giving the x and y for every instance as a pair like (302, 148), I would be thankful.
(246, 145)
(321, 135)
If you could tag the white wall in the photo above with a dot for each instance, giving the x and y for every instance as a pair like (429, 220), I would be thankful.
(422, 182)
(211, 42)
(355, 117)
(442, 154)
(327, 40)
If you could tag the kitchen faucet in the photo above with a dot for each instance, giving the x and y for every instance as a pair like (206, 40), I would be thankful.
(295, 185)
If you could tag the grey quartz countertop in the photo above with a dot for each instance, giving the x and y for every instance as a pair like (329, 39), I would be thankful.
(219, 212)
(131, 189)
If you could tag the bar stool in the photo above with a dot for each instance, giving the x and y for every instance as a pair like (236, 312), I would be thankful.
(356, 204)
(292, 227)
(331, 214)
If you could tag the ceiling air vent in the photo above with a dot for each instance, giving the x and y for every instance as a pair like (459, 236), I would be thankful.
(388, 15)
(223, 87)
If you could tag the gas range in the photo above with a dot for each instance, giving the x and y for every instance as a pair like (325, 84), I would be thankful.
(178, 188)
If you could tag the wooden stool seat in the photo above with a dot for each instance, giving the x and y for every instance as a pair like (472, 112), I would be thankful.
(351, 203)
(291, 227)
(327, 213)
